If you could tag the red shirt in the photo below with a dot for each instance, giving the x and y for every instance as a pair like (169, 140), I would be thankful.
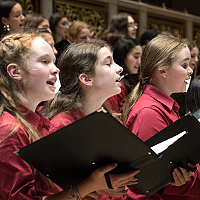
(153, 111)
(64, 119)
(18, 180)
(116, 102)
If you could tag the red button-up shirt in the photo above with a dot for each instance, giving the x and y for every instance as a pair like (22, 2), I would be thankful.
(19, 180)
(153, 111)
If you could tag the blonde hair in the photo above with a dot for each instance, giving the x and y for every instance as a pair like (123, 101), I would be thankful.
(75, 29)
(158, 54)
(15, 48)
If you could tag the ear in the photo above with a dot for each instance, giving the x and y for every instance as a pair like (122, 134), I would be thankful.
(162, 73)
(4, 20)
(85, 79)
(14, 71)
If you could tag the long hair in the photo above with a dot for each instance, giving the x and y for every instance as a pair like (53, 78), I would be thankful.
(74, 30)
(14, 48)
(53, 22)
(158, 54)
(75, 60)
(193, 95)
(33, 20)
(121, 49)
(5, 8)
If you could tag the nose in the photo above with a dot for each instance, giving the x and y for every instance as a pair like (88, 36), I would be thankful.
(119, 69)
(88, 38)
(48, 29)
(22, 17)
(190, 71)
(55, 70)
(196, 59)
(55, 52)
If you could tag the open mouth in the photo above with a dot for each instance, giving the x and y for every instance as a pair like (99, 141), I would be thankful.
(51, 83)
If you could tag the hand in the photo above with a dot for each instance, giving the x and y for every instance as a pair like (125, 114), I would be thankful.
(117, 180)
(114, 192)
(180, 178)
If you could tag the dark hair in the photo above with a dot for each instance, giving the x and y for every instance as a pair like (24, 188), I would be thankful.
(148, 35)
(121, 49)
(33, 20)
(193, 95)
(53, 21)
(75, 60)
(119, 23)
(5, 8)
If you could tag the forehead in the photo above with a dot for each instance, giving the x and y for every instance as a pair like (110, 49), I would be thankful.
(16, 8)
(64, 19)
(184, 55)
(104, 53)
(85, 31)
(39, 47)
(130, 19)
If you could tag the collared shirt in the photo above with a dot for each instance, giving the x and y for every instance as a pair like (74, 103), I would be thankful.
(153, 111)
(116, 102)
(18, 179)
(64, 119)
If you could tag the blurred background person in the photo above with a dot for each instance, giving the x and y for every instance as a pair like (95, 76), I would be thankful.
(123, 24)
(12, 19)
(193, 96)
(59, 25)
(35, 20)
(127, 53)
(78, 32)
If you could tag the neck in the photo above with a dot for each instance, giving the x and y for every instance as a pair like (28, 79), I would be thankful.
(58, 38)
(92, 102)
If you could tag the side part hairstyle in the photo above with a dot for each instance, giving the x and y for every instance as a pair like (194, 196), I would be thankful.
(158, 54)
(193, 95)
(5, 8)
(14, 48)
(119, 23)
(121, 49)
(53, 22)
(190, 43)
(75, 60)
(75, 29)
(33, 20)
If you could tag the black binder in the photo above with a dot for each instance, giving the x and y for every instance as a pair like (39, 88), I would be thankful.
(70, 154)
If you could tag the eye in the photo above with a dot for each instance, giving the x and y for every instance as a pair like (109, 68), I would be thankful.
(45, 61)
(136, 57)
(185, 66)
(109, 64)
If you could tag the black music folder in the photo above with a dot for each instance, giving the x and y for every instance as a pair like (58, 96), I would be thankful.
(70, 154)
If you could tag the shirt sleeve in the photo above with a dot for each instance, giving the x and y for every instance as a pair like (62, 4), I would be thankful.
(18, 180)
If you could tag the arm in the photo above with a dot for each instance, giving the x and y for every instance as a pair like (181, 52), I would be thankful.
(96, 182)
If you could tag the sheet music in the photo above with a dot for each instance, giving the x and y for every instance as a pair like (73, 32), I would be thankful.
(160, 147)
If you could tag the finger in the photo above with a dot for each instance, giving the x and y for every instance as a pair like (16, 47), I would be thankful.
(107, 168)
(126, 176)
(176, 181)
(131, 181)
(185, 174)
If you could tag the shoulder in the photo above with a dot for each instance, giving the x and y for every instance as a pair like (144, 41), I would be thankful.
(12, 132)
(61, 120)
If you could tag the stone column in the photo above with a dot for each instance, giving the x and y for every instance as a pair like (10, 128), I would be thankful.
(142, 20)
(46, 7)
(189, 28)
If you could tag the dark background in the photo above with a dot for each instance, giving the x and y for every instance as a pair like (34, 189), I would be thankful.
(192, 6)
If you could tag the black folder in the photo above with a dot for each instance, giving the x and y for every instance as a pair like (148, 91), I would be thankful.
(70, 154)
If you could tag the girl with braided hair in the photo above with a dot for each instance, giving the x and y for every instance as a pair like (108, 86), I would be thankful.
(27, 77)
